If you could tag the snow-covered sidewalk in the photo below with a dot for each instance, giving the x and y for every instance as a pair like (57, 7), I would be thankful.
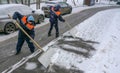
(95, 51)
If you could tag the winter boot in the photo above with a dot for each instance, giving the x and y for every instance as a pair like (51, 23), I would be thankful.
(17, 53)
(57, 35)
(49, 34)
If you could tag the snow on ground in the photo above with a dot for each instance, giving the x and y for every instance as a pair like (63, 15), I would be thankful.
(99, 32)
(103, 29)
(99, 53)
(30, 65)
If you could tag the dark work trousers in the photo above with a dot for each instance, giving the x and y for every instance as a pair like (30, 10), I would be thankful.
(21, 38)
(55, 24)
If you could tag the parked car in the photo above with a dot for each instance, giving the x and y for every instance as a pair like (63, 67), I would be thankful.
(7, 25)
(65, 7)
(118, 2)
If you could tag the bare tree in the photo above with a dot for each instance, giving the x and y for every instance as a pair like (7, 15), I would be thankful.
(8, 1)
(38, 4)
(74, 2)
(29, 2)
(25, 2)
(22, 1)
(109, 1)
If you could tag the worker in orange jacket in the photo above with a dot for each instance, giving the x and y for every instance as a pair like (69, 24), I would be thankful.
(55, 14)
(28, 24)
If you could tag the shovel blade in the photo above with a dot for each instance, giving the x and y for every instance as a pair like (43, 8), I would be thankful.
(45, 58)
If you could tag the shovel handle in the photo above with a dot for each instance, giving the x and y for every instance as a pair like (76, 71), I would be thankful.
(26, 34)
(70, 28)
(68, 25)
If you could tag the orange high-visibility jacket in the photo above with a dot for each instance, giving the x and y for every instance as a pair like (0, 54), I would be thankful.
(56, 12)
(28, 25)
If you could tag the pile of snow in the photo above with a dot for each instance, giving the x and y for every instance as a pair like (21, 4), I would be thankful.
(102, 30)
(30, 66)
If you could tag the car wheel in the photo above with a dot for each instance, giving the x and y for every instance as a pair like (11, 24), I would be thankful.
(9, 28)
(47, 16)
(41, 18)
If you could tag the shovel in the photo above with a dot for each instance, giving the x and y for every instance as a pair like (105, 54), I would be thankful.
(70, 28)
(44, 60)
(46, 57)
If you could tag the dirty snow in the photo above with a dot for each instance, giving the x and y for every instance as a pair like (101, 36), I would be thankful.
(103, 28)
(30, 65)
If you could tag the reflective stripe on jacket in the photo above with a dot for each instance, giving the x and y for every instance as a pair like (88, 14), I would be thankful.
(57, 13)
(28, 25)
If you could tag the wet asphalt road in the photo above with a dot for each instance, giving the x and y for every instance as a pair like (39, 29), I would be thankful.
(7, 48)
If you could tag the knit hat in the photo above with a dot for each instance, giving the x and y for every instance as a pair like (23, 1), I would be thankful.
(57, 7)
(30, 18)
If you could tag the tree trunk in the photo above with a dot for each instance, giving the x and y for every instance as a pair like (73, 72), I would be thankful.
(28, 2)
(8, 1)
(22, 1)
(109, 1)
(74, 2)
(37, 4)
